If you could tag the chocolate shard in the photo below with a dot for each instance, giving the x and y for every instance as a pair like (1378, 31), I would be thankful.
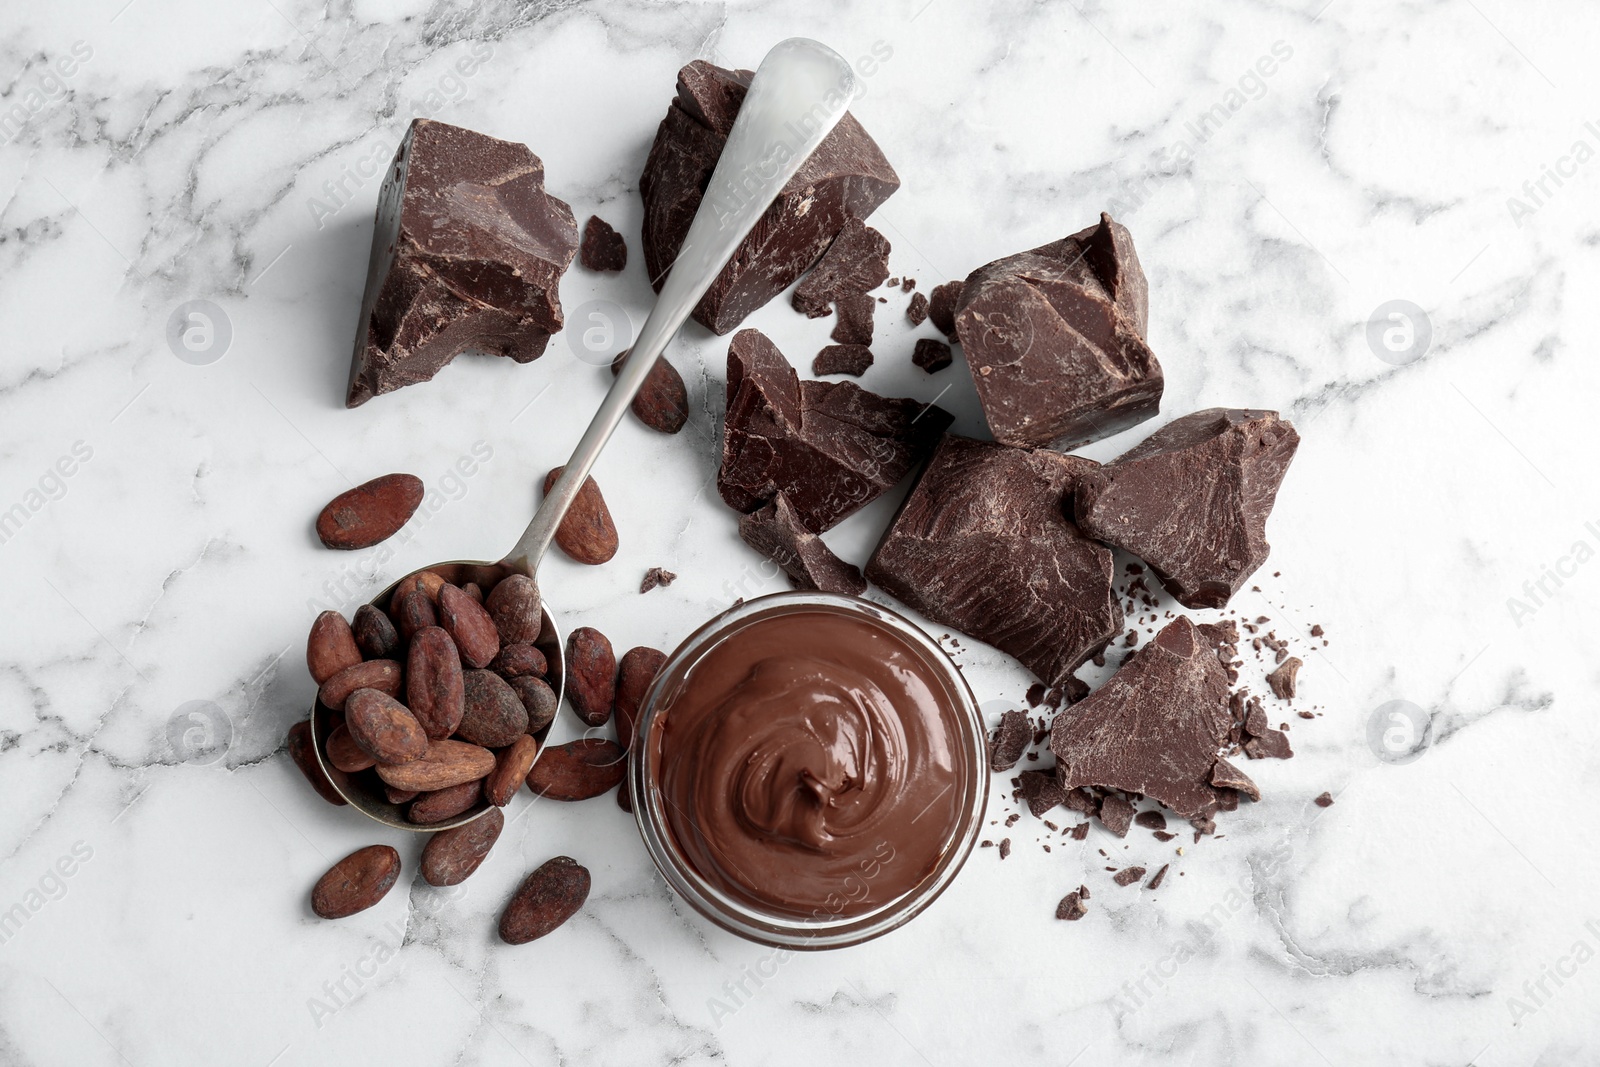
(1157, 878)
(982, 544)
(1225, 775)
(855, 319)
(1072, 907)
(1041, 791)
(1192, 500)
(1055, 340)
(1282, 680)
(776, 532)
(942, 307)
(830, 447)
(1154, 727)
(1128, 875)
(856, 261)
(1010, 740)
(603, 248)
(1116, 814)
(932, 356)
(467, 253)
(843, 359)
(917, 309)
(846, 178)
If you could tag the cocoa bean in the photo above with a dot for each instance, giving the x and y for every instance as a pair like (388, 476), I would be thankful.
(426, 582)
(413, 611)
(510, 770)
(446, 803)
(578, 770)
(356, 882)
(301, 750)
(344, 753)
(494, 715)
(548, 897)
(469, 626)
(375, 633)
(514, 606)
(434, 687)
(638, 668)
(446, 763)
(591, 675)
(662, 403)
(473, 590)
(586, 533)
(450, 856)
(380, 674)
(539, 700)
(384, 728)
(399, 796)
(331, 647)
(369, 513)
(514, 661)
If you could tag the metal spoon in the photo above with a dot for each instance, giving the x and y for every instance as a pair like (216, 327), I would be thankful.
(798, 95)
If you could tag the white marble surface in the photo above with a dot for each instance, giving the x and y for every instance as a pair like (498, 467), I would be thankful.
(1410, 923)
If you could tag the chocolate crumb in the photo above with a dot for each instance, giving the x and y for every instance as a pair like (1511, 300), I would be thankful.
(1152, 820)
(603, 248)
(1005, 848)
(1162, 835)
(1071, 907)
(907, 284)
(1155, 882)
(1116, 814)
(1316, 631)
(1080, 831)
(1011, 820)
(917, 310)
(655, 576)
(1035, 694)
(1009, 741)
(1128, 875)
(1282, 680)
(1324, 801)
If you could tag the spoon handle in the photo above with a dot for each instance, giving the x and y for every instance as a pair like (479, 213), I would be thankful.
(798, 95)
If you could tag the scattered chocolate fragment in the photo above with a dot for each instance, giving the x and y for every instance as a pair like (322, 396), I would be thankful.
(1035, 695)
(1041, 791)
(907, 284)
(1072, 907)
(1055, 340)
(1080, 831)
(942, 307)
(1005, 848)
(932, 356)
(832, 447)
(1154, 727)
(1192, 500)
(1282, 680)
(982, 544)
(370, 513)
(1011, 737)
(467, 253)
(1159, 877)
(1128, 875)
(1152, 820)
(846, 178)
(776, 532)
(655, 577)
(856, 261)
(855, 319)
(842, 359)
(1324, 800)
(1116, 814)
(917, 309)
(1225, 775)
(1162, 835)
(603, 247)
(1316, 631)
(662, 403)
(1269, 744)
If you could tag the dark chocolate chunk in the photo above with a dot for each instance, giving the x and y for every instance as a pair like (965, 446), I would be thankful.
(1282, 680)
(846, 177)
(1010, 739)
(1128, 875)
(917, 310)
(1036, 693)
(1072, 907)
(856, 261)
(1154, 727)
(1055, 340)
(855, 319)
(1159, 877)
(1225, 775)
(467, 251)
(1151, 820)
(1316, 631)
(942, 307)
(1040, 791)
(1325, 800)
(1192, 500)
(1080, 831)
(831, 447)
(843, 359)
(1116, 814)
(603, 248)
(654, 577)
(983, 544)
(776, 532)
(932, 356)
(1270, 744)
(1162, 835)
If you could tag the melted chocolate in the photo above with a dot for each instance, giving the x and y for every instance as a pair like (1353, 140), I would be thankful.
(811, 763)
